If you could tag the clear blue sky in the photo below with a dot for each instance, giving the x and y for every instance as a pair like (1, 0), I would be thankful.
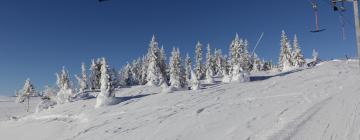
(38, 37)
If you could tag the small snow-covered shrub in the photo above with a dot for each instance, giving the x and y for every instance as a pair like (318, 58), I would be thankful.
(226, 78)
(165, 88)
(64, 96)
(241, 77)
(102, 100)
(195, 83)
(45, 103)
(63, 82)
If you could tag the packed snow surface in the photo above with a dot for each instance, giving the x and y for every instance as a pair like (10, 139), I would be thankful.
(305, 104)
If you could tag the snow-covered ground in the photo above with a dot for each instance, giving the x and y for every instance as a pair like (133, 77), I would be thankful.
(310, 104)
(8, 107)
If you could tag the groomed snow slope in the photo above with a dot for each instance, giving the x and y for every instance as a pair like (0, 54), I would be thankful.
(310, 104)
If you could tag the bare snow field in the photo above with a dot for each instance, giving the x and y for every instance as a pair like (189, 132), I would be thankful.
(321, 103)
(9, 108)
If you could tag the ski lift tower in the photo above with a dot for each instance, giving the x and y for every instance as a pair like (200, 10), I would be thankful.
(357, 26)
(357, 22)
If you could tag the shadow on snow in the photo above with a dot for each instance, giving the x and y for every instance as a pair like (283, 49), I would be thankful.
(261, 78)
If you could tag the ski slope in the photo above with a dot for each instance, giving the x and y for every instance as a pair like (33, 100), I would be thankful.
(308, 104)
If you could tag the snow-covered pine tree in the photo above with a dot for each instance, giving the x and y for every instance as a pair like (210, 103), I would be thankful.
(184, 83)
(128, 76)
(175, 69)
(94, 75)
(136, 71)
(198, 60)
(195, 83)
(285, 58)
(153, 71)
(144, 68)
(244, 57)
(226, 70)
(65, 92)
(106, 96)
(209, 66)
(235, 49)
(120, 74)
(162, 62)
(115, 78)
(83, 79)
(28, 91)
(188, 69)
(257, 64)
(298, 57)
(219, 62)
(226, 75)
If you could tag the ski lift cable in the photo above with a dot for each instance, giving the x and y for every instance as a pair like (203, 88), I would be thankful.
(315, 10)
(257, 43)
(342, 27)
(340, 13)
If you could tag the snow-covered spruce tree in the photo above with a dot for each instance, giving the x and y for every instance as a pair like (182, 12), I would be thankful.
(257, 65)
(184, 83)
(235, 51)
(245, 63)
(188, 69)
(195, 83)
(106, 96)
(209, 66)
(144, 68)
(153, 71)
(136, 71)
(121, 77)
(298, 57)
(226, 75)
(244, 57)
(198, 60)
(83, 85)
(219, 62)
(28, 91)
(175, 69)
(128, 76)
(226, 70)
(115, 78)
(162, 62)
(285, 59)
(95, 75)
(65, 92)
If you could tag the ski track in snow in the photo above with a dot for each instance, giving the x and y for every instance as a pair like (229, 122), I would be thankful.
(285, 129)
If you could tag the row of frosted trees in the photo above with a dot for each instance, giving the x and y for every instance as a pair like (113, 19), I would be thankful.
(177, 74)
(152, 68)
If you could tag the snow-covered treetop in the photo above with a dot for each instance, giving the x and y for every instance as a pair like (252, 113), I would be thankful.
(63, 79)
(28, 89)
